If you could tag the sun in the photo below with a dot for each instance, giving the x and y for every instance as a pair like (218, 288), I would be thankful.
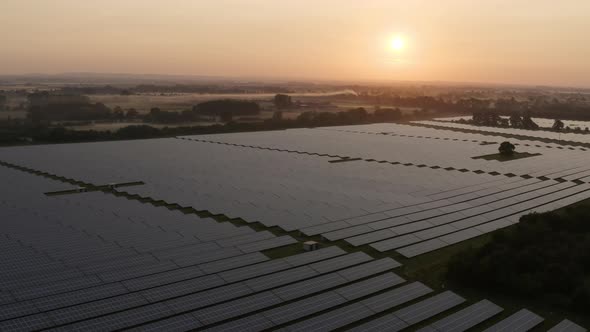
(397, 43)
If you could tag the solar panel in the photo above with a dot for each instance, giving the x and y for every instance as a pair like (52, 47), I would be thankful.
(337, 263)
(235, 308)
(313, 256)
(347, 232)
(266, 244)
(79, 296)
(247, 324)
(369, 286)
(365, 219)
(333, 319)
(389, 322)
(302, 308)
(181, 288)
(395, 297)
(163, 278)
(280, 278)
(205, 257)
(233, 262)
(96, 308)
(461, 235)
(432, 306)
(193, 301)
(422, 247)
(467, 318)
(395, 243)
(255, 270)
(176, 324)
(370, 268)
(567, 326)
(136, 271)
(244, 239)
(523, 320)
(56, 287)
(18, 309)
(124, 319)
(360, 240)
(29, 323)
(309, 286)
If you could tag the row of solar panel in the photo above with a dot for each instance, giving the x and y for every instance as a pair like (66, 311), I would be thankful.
(211, 292)
(454, 220)
(260, 209)
(564, 138)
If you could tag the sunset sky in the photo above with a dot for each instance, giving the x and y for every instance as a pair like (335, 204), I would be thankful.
(508, 41)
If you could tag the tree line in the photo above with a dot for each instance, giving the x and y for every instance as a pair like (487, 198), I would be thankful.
(173, 89)
(44, 134)
(491, 118)
(541, 107)
(46, 108)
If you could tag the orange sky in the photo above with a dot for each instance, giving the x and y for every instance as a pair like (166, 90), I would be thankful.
(517, 41)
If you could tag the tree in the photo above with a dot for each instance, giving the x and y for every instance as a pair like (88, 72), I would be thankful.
(527, 121)
(557, 125)
(282, 101)
(527, 260)
(387, 114)
(118, 113)
(478, 118)
(141, 131)
(236, 107)
(493, 119)
(132, 113)
(515, 120)
(356, 115)
(487, 118)
(226, 116)
(3, 101)
(506, 148)
(306, 117)
(277, 116)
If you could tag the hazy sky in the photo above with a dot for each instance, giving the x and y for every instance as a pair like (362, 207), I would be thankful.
(513, 41)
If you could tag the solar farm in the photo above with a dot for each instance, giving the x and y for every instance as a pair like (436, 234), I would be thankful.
(205, 232)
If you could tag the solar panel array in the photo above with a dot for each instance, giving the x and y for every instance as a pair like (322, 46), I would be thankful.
(542, 122)
(95, 261)
(99, 261)
(565, 138)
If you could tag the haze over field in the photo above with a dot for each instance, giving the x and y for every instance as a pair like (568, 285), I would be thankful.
(527, 41)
